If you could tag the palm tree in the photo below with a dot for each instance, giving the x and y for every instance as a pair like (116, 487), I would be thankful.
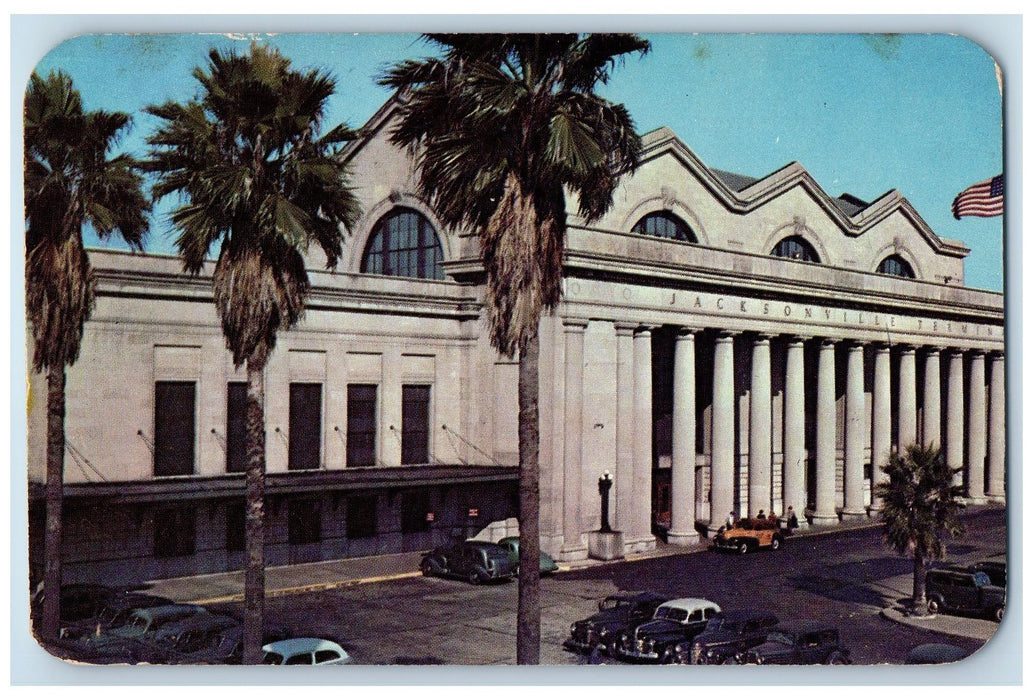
(920, 506)
(260, 183)
(503, 126)
(69, 182)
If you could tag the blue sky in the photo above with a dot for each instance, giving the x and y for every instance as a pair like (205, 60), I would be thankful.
(920, 113)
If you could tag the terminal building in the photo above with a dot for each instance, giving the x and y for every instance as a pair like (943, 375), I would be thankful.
(723, 344)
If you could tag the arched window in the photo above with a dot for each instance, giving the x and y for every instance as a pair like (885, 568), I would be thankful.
(404, 244)
(664, 225)
(796, 248)
(896, 265)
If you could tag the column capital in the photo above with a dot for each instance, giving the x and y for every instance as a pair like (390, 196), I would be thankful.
(828, 341)
(930, 349)
(685, 333)
(574, 325)
(794, 339)
(881, 347)
(624, 327)
(725, 336)
(760, 338)
(956, 352)
(643, 328)
(854, 343)
(977, 352)
(906, 348)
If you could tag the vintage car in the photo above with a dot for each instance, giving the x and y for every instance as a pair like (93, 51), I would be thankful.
(673, 622)
(305, 651)
(617, 613)
(475, 561)
(749, 534)
(191, 640)
(725, 636)
(79, 601)
(957, 589)
(996, 570)
(141, 627)
(512, 546)
(796, 643)
(113, 614)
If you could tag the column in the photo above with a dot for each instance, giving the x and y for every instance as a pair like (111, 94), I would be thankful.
(825, 457)
(976, 427)
(794, 473)
(623, 483)
(995, 462)
(853, 439)
(956, 414)
(931, 399)
(881, 419)
(639, 536)
(722, 449)
(573, 401)
(760, 427)
(683, 439)
(907, 425)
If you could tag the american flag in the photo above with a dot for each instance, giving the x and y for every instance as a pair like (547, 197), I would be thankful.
(984, 198)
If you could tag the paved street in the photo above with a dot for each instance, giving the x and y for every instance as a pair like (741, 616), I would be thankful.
(843, 577)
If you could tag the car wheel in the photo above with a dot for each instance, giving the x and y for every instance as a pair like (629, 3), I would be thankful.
(473, 578)
(667, 655)
(743, 548)
(935, 605)
(776, 542)
(730, 661)
(611, 649)
(836, 658)
(426, 569)
(999, 613)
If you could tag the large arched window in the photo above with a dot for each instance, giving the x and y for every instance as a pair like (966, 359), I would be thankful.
(664, 225)
(796, 248)
(896, 265)
(404, 244)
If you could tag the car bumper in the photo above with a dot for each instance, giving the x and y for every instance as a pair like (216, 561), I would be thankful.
(727, 544)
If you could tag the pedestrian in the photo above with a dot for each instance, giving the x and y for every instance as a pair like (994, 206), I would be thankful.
(791, 522)
(761, 516)
(730, 522)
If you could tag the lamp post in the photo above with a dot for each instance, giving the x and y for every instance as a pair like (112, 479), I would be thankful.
(605, 484)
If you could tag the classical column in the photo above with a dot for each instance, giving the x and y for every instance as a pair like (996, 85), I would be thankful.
(760, 427)
(853, 440)
(639, 535)
(825, 447)
(794, 472)
(881, 419)
(573, 401)
(931, 399)
(956, 414)
(683, 442)
(995, 463)
(722, 449)
(907, 426)
(623, 483)
(977, 427)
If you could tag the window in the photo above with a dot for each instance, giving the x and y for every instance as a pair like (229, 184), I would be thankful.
(404, 244)
(306, 426)
(896, 265)
(415, 424)
(174, 532)
(415, 506)
(795, 248)
(174, 428)
(362, 517)
(236, 427)
(235, 527)
(362, 425)
(303, 523)
(664, 225)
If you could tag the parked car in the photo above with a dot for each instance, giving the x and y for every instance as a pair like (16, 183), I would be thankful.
(142, 626)
(749, 534)
(935, 654)
(957, 589)
(113, 614)
(79, 601)
(305, 651)
(191, 640)
(512, 546)
(675, 621)
(798, 642)
(617, 613)
(725, 636)
(996, 570)
(475, 561)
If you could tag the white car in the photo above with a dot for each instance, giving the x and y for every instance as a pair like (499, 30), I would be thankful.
(305, 651)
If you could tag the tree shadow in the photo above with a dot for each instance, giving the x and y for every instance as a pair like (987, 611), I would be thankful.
(857, 582)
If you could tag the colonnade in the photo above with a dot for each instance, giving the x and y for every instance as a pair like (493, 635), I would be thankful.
(971, 431)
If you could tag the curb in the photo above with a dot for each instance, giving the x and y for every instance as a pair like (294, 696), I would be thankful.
(954, 626)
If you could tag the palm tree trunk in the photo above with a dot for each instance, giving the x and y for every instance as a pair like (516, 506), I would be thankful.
(51, 623)
(528, 601)
(918, 588)
(254, 520)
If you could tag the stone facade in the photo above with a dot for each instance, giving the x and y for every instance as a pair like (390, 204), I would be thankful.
(706, 376)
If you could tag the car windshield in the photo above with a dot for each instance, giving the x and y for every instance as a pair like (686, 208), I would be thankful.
(719, 624)
(779, 637)
(675, 614)
(613, 604)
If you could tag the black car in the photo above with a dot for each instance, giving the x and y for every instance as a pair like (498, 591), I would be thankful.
(113, 614)
(996, 570)
(725, 636)
(617, 613)
(475, 561)
(673, 622)
(957, 589)
(79, 601)
(796, 643)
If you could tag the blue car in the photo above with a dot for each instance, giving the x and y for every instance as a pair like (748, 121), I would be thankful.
(512, 546)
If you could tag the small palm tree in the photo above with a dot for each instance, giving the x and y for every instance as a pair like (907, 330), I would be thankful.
(503, 127)
(921, 506)
(70, 182)
(260, 183)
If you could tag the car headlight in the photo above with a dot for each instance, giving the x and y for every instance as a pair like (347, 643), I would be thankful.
(573, 628)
